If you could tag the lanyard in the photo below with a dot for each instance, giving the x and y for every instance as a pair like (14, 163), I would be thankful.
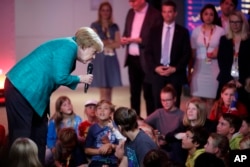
(236, 47)
(207, 43)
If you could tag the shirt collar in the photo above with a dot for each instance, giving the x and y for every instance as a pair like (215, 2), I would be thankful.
(165, 25)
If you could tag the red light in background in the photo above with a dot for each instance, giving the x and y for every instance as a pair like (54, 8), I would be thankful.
(2, 78)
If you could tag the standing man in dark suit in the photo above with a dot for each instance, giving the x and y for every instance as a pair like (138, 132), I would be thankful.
(169, 51)
(140, 19)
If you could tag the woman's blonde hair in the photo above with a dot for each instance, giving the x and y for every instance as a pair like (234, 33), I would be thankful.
(24, 153)
(110, 19)
(244, 29)
(87, 37)
(201, 112)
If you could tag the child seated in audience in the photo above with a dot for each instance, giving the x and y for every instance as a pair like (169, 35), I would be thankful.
(224, 104)
(219, 146)
(229, 126)
(168, 118)
(67, 152)
(101, 142)
(138, 143)
(193, 142)
(90, 107)
(64, 116)
(245, 126)
(24, 153)
(195, 116)
(150, 131)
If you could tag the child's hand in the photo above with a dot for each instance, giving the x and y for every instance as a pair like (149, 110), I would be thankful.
(105, 149)
(110, 124)
(119, 150)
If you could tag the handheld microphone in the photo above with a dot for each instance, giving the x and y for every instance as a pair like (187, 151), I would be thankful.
(89, 71)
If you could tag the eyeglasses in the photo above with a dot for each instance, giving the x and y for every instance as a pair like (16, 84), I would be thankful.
(166, 100)
(235, 22)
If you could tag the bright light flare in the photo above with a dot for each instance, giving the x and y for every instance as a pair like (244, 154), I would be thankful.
(2, 79)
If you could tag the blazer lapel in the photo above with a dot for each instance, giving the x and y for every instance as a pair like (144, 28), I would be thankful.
(174, 42)
(130, 21)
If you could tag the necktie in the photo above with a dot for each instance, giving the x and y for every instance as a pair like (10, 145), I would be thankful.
(165, 48)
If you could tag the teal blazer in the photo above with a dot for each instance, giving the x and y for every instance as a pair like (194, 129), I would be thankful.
(42, 71)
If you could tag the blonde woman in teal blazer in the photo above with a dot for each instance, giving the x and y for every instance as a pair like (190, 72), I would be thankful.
(30, 83)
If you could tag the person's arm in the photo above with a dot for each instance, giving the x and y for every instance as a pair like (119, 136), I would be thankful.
(152, 119)
(103, 150)
(113, 43)
(185, 54)
(124, 162)
(191, 65)
(51, 135)
(63, 62)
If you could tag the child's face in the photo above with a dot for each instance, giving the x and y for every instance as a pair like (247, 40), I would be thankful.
(209, 147)
(223, 127)
(103, 112)
(167, 101)
(192, 112)
(187, 141)
(227, 96)
(90, 110)
(66, 107)
(244, 129)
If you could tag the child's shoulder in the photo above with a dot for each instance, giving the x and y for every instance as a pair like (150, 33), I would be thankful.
(77, 118)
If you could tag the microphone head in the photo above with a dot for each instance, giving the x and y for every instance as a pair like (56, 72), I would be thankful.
(90, 68)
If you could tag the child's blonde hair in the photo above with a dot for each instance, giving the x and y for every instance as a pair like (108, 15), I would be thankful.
(24, 153)
(201, 112)
(112, 107)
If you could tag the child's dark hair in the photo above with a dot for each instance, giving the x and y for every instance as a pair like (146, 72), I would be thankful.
(156, 158)
(247, 120)
(126, 118)
(67, 136)
(233, 120)
(200, 136)
(169, 89)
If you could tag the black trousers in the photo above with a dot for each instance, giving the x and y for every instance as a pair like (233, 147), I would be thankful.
(137, 84)
(23, 120)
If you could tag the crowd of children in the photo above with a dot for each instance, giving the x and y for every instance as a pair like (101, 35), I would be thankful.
(119, 137)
